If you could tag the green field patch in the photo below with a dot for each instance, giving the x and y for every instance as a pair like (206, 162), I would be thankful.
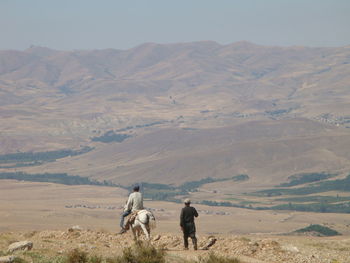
(111, 136)
(138, 126)
(299, 179)
(220, 203)
(342, 185)
(165, 192)
(318, 230)
(120, 135)
(321, 207)
(193, 185)
(22, 159)
(242, 201)
(151, 186)
(163, 195)
(19, 165)
(315, 198)
(58, 178)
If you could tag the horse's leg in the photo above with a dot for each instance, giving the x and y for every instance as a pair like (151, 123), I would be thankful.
(139, 232)
(133, 232)
(148, 229)
(144, 228)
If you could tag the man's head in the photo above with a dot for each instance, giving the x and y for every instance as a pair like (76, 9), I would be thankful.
(136, 188)
(187, 202)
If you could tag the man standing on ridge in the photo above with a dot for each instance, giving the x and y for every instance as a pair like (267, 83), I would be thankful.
(188, 227)
(134, 203)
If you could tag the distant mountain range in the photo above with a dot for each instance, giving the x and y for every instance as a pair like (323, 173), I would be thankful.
(185, 111)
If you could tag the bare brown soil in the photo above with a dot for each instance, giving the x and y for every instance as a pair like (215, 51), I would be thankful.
(249, 249)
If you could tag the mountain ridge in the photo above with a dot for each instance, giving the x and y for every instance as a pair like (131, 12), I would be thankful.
(51, 99)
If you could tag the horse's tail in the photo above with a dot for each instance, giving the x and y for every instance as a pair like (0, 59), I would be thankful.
(151, 220)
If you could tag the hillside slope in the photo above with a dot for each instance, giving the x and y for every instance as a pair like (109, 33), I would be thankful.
(194, 110)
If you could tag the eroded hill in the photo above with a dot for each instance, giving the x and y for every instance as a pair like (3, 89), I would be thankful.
(178, 112)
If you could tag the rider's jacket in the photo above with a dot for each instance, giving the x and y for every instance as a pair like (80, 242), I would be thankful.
(135, 202)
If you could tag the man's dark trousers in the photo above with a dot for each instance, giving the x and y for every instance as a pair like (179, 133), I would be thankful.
(189, 230)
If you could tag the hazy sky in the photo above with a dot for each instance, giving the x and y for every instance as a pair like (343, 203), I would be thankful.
(122, 24)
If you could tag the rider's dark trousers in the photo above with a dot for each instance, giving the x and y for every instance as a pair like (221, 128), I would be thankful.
(123, 215)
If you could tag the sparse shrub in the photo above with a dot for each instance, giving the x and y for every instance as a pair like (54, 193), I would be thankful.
(48, 241)
(212, 258)
(140, 253)
(112, 260)
(34, 256)
(77, 256)
(245, 239)
(7, 239)
(30, 234)
(95, 259)
(55, 260)
(38, 257)
(19, 260)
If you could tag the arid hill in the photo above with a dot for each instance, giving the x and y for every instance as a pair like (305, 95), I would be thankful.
(192, 110)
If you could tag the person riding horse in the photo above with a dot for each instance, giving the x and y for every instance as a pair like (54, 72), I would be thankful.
(134, 203)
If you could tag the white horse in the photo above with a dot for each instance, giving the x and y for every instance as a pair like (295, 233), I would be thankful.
(144, 221)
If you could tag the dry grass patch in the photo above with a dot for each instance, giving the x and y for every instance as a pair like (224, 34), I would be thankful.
(213, 258)
(141, 252)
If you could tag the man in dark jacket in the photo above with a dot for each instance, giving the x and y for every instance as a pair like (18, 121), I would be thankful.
(188, 227)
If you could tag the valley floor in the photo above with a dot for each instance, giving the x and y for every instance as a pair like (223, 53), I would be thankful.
(43, 212)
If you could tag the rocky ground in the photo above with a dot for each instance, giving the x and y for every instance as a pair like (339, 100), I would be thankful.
(249, 249)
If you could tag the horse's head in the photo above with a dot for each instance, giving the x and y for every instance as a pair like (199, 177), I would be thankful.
(152, 222)
(151, 216)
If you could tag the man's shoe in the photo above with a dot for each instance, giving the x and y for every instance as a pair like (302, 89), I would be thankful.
(122, 231)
